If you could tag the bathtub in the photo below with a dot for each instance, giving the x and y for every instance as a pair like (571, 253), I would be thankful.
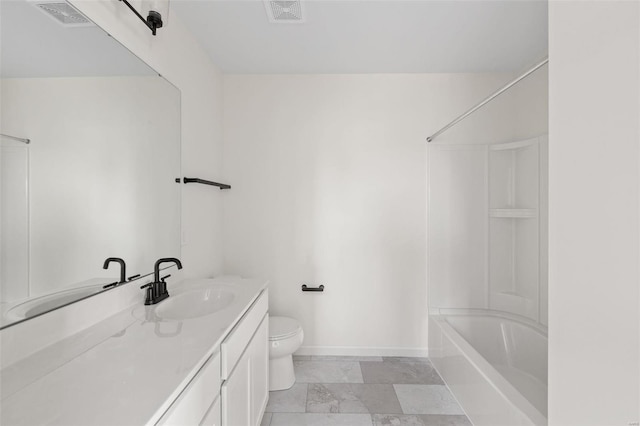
(495, 366)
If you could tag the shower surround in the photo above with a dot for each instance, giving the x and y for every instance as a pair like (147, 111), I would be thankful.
(487, 274)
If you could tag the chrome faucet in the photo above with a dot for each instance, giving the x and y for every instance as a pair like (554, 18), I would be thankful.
(157, 290)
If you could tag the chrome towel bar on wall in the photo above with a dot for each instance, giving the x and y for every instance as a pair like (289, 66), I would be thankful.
(204, 182)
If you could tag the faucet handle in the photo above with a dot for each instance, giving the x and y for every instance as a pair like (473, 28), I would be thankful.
(150, 294)
(165, 277)
(113, 284)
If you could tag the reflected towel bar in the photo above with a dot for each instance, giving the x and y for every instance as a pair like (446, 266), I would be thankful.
(25, 140)
(205, 182)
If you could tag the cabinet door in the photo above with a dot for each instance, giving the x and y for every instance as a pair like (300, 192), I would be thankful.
(259, 371)
(192, 404)
(235, 395)
(235, 344)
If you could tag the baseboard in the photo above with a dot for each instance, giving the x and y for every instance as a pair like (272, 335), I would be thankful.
(361, 351)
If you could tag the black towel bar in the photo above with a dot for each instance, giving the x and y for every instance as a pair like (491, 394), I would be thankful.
(205, 182)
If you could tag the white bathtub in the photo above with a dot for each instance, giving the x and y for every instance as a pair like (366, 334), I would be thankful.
(495, 366)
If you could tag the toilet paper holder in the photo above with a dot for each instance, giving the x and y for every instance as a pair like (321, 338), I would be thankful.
(305, 288)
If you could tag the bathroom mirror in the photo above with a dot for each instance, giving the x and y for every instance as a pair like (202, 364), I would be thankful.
(98, 178)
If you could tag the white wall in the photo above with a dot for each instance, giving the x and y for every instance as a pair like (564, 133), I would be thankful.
(594, 213)
(328, 175)
(178, 57)
(457, 226)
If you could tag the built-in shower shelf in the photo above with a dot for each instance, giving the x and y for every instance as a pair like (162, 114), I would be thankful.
(513, 213)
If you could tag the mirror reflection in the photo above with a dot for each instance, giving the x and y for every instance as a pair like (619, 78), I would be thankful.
(97, 179)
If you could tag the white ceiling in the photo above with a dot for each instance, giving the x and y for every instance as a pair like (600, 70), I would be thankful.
(371, 36)
(32, 44)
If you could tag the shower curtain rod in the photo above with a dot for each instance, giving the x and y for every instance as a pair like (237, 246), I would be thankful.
(488, 99)
(25, 140)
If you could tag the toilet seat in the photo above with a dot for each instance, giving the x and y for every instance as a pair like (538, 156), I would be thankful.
(281, 328)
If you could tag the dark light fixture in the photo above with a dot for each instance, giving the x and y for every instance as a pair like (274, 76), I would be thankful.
(154, 18)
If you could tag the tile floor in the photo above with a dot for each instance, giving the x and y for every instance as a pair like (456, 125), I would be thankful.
(372, 391)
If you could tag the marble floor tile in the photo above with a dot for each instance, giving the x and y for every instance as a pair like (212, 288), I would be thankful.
(345, 358)
(292, 400)
(327, 371)
(419, 420)
(426, 399)
(352, 398)
(266, 419)
(400, 373)
(302, 357)
(320, 419)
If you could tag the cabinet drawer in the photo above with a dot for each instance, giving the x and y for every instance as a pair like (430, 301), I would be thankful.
(194, 401)
(235, 343)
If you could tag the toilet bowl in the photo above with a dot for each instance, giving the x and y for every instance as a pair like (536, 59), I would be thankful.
(285, 337)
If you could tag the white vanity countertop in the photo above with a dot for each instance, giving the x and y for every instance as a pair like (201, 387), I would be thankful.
(132, 373)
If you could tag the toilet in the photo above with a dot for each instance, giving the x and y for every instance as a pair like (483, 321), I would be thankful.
(285, 337)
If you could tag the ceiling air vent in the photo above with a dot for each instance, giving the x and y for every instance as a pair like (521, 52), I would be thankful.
(63, 13)
(284, 11)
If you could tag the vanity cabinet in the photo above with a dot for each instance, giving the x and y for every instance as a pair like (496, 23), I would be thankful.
(195, 401)
(259, 372)
(246, 391)
(232, 387)
(245, 368)
(235, 395)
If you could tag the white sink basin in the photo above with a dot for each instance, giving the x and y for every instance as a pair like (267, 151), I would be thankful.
(195, 303)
